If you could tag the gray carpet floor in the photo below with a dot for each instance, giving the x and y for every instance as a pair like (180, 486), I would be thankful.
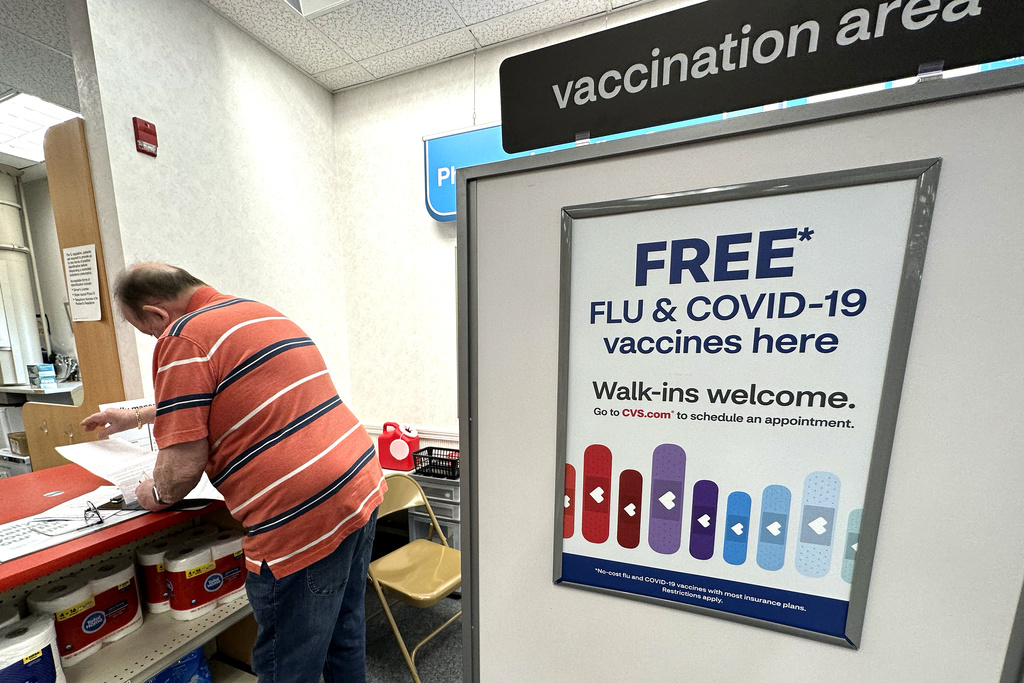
(439, 661)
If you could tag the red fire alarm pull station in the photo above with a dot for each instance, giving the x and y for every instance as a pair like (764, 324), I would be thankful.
(145, 136)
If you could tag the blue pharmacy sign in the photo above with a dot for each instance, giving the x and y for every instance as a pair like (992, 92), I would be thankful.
(444, 154)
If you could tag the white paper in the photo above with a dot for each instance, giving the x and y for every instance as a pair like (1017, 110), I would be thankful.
(125, 465)
(83, 282)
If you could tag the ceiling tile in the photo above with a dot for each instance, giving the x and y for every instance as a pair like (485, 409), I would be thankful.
(475, 11)
(537, 18)
(371, 27)
(280, 28)
(420, 54)
(336, 79)
(622, 3)
(42, 20)
(37, 70)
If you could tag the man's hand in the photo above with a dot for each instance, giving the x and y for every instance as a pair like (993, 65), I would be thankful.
(144, 492)
(178, 469)
(112, 421)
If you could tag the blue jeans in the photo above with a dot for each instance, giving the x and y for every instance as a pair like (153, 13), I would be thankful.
(313, 620)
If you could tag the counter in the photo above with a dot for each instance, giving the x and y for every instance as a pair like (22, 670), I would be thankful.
(23, 496)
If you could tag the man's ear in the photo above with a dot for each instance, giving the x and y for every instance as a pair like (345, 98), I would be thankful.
(160, 312)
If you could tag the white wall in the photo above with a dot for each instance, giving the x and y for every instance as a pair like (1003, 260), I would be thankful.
(242, 192)
(399, 262)
(268, 187)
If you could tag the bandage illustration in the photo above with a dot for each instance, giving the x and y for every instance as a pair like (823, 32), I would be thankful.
(852, 540)
(737, 527)
(817, 519)
(665, 519)
(631, 491)
(597, 492)
(703, 519)
(773, 527)
(569, 502)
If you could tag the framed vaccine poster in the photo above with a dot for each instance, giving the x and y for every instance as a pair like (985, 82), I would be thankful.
(731, 361)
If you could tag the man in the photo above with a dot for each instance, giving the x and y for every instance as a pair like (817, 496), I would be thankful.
(244, 395)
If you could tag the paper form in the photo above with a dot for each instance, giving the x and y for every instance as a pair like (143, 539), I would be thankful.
(125, 464)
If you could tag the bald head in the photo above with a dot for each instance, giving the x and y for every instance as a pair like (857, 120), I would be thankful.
(152, 283)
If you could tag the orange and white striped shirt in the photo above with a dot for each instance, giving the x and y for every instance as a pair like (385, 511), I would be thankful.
(295, 466)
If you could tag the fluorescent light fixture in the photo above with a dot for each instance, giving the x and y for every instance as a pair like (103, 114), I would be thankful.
(311, 9)
(24, 120)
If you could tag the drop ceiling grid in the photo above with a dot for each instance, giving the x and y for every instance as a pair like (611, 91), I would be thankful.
(283, 30)
(537, 18)
(42, 20)
(369, 28)
(367, 40)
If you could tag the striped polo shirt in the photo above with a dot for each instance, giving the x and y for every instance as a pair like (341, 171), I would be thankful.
(295, 466)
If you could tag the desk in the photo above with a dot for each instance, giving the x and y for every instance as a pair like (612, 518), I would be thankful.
(23, 496)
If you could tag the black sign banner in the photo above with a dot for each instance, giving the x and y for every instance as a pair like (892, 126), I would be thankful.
(726, 55)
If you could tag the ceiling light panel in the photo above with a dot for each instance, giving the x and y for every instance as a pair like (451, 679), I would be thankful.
(23, 123)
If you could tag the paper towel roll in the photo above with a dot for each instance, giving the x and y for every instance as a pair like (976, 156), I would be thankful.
(116, 592)
(109, 575)
(153, 553)
(193, 581)
(78, 624)
(59, 595)
(227, 554)
(8, 615)
(226, 543)
(187, 557)
(28, 651)
(195, 534)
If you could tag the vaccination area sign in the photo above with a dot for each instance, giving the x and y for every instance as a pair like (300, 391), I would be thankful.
(729, 55)
(731, 361)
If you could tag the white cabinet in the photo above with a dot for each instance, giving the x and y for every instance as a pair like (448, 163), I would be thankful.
(443, 495)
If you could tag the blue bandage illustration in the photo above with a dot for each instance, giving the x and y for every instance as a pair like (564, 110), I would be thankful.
(771, 541)
(737, 527)
(817, 521)
(852, 540)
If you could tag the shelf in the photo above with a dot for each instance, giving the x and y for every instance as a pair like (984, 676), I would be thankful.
(160, 642)
(65, 393)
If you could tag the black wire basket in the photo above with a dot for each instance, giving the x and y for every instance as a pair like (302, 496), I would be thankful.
(434, 461)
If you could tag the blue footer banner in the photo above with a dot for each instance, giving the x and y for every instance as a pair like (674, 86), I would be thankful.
(799, 610)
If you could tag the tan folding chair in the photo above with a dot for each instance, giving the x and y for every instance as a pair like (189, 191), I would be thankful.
(420, 573)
